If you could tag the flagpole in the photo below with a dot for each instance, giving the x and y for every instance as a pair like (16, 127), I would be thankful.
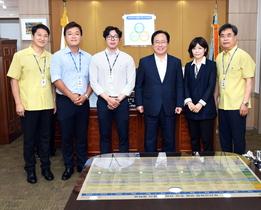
(214, 43)
(64, 22)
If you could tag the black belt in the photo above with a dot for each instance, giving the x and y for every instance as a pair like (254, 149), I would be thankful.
(59, 95)
(64, 95)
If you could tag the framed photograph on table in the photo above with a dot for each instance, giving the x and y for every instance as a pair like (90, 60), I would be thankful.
(27, 24)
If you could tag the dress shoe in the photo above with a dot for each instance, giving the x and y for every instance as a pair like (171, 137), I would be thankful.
(31, 177)
(67, 173)
(79, 169)
(48, 175)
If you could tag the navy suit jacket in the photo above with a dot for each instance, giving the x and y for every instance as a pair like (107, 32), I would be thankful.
(201, 87)
(151, 93)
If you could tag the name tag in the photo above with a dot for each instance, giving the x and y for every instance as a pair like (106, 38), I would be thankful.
(110, 79)
(223, 84)
(80, 82)
(43, 82)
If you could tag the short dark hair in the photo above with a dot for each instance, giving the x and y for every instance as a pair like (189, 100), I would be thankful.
(226, 26)
(198, 40)
(108, 29)
(42, 26)
(160, 32)
(72, 25)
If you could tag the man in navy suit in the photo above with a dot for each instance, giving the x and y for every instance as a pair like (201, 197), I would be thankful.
(159, 93)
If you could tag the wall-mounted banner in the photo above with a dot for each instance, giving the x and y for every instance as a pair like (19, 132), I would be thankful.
(138, 29)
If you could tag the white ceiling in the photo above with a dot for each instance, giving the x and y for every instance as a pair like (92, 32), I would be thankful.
(11, 10)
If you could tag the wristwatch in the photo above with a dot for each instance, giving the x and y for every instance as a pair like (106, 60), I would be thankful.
(86, 96)
(245, 103)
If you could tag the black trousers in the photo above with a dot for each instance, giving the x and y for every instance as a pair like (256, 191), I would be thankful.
(73, 122)
(167, 125)
(201, 129)
(52, 143)
(105, 117)
(36, 126)
(232, 131)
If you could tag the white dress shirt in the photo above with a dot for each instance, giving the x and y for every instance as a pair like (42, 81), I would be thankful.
(161, 66)
(203, 61)
(114, 75)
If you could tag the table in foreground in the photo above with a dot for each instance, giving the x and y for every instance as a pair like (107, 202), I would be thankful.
(214, 180)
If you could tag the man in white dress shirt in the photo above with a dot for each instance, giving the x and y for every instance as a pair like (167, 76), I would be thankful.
(112, 78)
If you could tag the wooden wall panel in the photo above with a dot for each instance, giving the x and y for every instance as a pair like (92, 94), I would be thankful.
(243, 14)
(247, 26)
(136, 134)
(37, 7)
(93, 134)
(242, 6)
(182, 19)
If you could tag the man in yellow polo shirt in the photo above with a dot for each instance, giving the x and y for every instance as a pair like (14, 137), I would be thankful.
(235, 73)
(34, 97)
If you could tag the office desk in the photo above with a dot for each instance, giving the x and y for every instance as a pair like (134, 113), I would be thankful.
(136, 134)
(165, 161)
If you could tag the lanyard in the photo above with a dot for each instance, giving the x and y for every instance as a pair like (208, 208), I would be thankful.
(80, 64)
(42, 71)
(113, 62)
(225, 73)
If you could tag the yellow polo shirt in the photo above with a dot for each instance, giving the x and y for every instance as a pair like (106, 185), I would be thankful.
(241, 67)
(25, 69)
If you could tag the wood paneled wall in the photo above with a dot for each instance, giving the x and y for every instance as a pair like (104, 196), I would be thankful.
(184, 20)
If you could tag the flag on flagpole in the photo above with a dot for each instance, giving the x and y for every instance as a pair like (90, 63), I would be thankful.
(214, 44)
(64, 22)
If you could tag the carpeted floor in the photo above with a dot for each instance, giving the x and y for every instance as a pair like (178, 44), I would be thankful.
(17, 193)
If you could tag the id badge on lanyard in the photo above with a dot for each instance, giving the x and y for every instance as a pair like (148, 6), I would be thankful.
(79, 82)
(111, 78)
(223, 84)
(43, 82)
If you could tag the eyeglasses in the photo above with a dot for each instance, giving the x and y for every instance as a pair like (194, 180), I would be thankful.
(163, 42)
(115, 37)
(223, 36)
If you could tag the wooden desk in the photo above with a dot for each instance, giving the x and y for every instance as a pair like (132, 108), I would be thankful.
(136, 134)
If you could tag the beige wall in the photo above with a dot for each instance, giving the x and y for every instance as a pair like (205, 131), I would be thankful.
(184, 20)
(243, 14)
